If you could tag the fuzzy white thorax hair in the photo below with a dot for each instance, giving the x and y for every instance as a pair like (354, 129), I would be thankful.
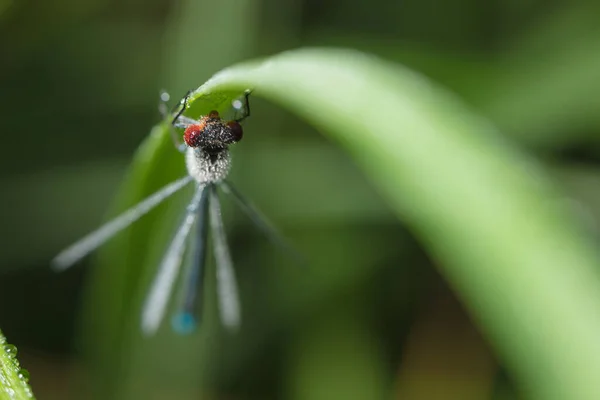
(207, 167)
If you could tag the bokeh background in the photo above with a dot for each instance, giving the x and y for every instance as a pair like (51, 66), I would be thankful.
(370, 318)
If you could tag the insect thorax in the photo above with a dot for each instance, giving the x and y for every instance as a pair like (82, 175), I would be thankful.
(207, 166)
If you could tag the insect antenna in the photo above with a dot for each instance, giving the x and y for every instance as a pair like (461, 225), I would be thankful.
(95, 239)
(229, 303)
(160, 292)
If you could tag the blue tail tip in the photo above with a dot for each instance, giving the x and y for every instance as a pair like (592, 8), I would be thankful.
(184, 323)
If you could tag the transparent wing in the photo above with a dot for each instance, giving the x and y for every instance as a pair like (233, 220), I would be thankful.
(185, 321)
(156, 302)
(229, 304)
(261, 222)
(95, 239)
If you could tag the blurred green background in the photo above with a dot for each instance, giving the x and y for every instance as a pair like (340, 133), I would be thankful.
(372, 318)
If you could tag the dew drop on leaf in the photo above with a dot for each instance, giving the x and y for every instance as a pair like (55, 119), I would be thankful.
(24, 375)
(11, 350)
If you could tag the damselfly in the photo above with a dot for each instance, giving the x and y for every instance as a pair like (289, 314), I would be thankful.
(205, 144)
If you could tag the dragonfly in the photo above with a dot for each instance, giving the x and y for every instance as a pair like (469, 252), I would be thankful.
(205, 146)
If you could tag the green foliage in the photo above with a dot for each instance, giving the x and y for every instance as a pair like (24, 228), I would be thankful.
(13, 378)
(406, 182)
(463, 190)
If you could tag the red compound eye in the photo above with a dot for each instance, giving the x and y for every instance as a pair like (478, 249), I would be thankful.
(236, 130)
(192, 134)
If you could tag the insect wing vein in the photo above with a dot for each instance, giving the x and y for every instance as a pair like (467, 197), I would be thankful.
(229, 304)
(95, 239)
(156, 303)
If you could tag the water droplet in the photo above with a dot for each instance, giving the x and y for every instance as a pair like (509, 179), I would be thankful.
(11, 350)
(24, 375)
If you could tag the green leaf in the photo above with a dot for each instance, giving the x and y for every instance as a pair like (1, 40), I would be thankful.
(500, 231)
(13, 379)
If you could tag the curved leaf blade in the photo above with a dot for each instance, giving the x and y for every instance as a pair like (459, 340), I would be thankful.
(467, 194)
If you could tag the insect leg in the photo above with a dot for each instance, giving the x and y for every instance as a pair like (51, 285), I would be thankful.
(246, 106)
(178, 121)
(183, 107)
